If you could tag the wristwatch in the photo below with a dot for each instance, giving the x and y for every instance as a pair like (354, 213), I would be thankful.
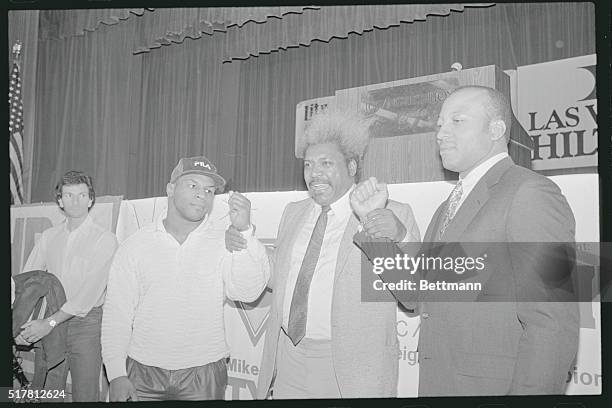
(52, 323)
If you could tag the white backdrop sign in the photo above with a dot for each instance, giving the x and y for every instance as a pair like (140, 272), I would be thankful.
(557, 106)
(246, 323)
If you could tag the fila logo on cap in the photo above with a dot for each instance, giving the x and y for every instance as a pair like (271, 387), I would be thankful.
(202, 164)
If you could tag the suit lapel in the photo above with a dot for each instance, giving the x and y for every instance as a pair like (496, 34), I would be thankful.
(431, 235)
(475, 201)
(345, 245)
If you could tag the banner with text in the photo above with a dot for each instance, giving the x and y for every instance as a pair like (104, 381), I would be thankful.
(557, 106)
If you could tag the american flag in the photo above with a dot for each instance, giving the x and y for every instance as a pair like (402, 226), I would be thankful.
(15, 135)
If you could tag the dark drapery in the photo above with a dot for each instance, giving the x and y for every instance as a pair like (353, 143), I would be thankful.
(187, 98)
(128, 118)
(507, 35)
(61, 24)
(89, 109)
(241, 33)
(173, 26)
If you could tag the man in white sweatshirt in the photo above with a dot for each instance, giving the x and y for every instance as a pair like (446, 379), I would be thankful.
(162, 330)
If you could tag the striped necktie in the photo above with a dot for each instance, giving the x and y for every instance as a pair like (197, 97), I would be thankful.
(298, 314)
(453, 205)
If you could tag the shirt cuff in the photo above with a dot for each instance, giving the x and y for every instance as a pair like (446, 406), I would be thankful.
(252, 241)
(72, 309)
(248, 232)
(115, 369)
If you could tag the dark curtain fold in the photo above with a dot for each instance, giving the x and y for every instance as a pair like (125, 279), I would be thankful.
(88, 99)
(60, 24)
(507, 35)
(187, 96)
(323, 25)
(127, 119)
(173, 26)
(251, 31)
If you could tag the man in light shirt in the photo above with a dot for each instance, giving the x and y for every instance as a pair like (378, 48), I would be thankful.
(79, 253)
(322, 340)
(519, 334)
(163, 334)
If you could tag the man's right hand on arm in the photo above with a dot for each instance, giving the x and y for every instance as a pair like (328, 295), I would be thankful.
(122, 389)
(234, 240)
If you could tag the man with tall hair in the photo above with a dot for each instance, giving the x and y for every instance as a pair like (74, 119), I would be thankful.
(322, 341)
(79, 252)
(517, 337)
(163, 335)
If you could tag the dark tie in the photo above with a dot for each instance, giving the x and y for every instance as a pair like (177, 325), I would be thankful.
(453, 204)
(298, 313)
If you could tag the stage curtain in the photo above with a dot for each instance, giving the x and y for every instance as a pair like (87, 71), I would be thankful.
(88, 109)
(188, 109)
(173, 25)
(507, 35)
(60, 24)
(128, 118)
(253, 31)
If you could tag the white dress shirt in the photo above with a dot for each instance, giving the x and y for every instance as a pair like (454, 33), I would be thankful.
(80, 259)
(318, 322)
(473, 177)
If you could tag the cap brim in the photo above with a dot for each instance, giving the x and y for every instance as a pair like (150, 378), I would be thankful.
(219, 181)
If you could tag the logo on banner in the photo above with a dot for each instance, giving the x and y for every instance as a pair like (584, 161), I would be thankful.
(592, 95)
(255, 315)
(236, 384)
(558, 108)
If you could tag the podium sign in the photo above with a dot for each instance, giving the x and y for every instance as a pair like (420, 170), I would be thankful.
(403, 145)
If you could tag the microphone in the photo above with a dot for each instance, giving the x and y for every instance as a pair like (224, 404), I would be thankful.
(456, 67)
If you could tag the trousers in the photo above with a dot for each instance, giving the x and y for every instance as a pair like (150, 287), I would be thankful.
(205, 382)
(305, 371)
(83, 358)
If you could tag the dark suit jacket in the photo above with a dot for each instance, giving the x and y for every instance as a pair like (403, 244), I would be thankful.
(500, 343)
(364, 337)
(30, 288)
